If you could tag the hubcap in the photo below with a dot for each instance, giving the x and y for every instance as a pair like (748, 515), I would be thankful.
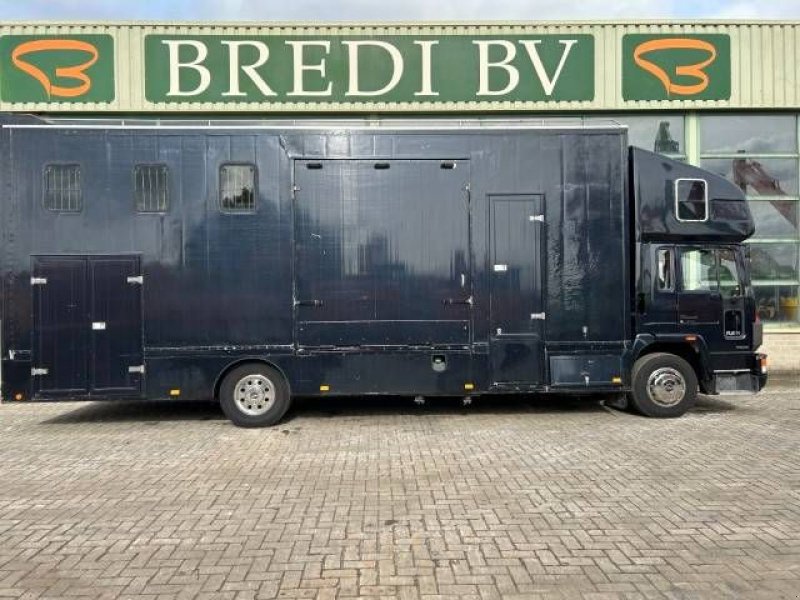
(666, 386)
(254, 395)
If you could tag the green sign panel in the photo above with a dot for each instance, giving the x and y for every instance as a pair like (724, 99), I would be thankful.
(55, 68)
(676, 67)
(369, 69)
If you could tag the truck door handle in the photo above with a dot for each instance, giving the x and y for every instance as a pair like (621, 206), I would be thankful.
(688, 317)
(452, 301)
(313, 303)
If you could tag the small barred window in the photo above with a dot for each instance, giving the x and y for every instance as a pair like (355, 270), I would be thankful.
(151, 189)
(62, 188)
(237, 188)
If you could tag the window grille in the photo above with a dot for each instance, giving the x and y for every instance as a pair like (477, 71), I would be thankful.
(151, 189)
(62, 188)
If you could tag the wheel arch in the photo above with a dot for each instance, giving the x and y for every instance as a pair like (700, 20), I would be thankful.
(245, 361)
(693, 352)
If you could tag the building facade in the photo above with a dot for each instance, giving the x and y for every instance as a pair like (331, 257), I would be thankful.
(725, 96)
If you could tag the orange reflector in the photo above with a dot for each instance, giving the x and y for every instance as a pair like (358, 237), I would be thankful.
(762, 361)
(324, 388)
(690, 338)
(18, 396)
(616, 380)
(469, 386)
(174, 392)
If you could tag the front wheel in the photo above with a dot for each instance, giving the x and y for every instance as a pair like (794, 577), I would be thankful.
(254, 395)
(663, 385)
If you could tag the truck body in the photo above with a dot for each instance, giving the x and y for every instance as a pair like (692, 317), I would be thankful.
(253, 263)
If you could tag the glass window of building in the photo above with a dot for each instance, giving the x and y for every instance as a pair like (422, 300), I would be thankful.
(759, 153)
(662, 133)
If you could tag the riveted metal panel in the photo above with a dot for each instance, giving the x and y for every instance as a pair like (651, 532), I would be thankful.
(764, 66)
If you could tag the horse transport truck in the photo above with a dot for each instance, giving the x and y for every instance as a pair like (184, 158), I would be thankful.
(255, 262)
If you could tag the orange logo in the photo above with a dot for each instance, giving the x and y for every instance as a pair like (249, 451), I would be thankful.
(75, 72)
(694, 70)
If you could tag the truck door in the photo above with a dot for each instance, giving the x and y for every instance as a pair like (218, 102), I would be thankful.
(60, 327)
(516, 298)
(87, 326)
(711, 301)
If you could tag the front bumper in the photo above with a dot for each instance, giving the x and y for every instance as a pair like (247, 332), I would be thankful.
(743, 381)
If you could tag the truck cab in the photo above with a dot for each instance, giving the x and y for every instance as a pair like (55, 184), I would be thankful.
(694, 303)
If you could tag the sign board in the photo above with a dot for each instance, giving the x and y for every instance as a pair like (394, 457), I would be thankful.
(274, 69)
(54, 68)
(376, 69)
(676, 67)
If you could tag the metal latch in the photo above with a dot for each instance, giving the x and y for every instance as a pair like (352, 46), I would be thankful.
(38, 280)
(538, 316)
(138, 279)
(136, 369)
(537, 218)
(99, 325)
(38, 371)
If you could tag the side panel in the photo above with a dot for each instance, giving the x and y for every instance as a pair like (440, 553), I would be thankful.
(381, 252)
(60, 326)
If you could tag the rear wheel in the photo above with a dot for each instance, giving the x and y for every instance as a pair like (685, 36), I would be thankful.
(663, 385)
(254, 395)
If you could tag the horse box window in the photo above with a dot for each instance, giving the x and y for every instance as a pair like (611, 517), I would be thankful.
(691, 200)
(237, 188)
(151, 188)
(62, 188)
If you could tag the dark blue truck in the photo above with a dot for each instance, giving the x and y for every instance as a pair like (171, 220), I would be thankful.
(252, 263)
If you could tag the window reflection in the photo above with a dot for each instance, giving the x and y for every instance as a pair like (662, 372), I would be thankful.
(757, 176)
(775, 219)
(663, 133)
(753, 134)
(777, 303)
(776, 262)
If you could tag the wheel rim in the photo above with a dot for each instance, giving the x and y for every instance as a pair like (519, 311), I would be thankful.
(666, 386)
(254, 395)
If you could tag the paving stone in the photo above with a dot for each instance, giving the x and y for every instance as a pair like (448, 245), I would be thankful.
(375, 497)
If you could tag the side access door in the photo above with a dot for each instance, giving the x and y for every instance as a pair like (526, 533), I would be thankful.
(516, 337)
(87, 326)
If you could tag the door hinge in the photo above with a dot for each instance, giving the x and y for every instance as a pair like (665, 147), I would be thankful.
(38, 371)
(537, 218)
(538, 316)
(136, 369)
(38, 280)
(137, 279)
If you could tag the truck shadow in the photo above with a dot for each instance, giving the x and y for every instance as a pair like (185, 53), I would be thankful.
(155, 412)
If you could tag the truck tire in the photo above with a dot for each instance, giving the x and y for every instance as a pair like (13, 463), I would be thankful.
(663, 385)
(254, 395)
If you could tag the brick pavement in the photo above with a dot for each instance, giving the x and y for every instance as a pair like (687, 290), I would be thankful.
(556, 498)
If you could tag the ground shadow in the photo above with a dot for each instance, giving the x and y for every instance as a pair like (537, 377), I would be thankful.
(152, 412)
(146, 412)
